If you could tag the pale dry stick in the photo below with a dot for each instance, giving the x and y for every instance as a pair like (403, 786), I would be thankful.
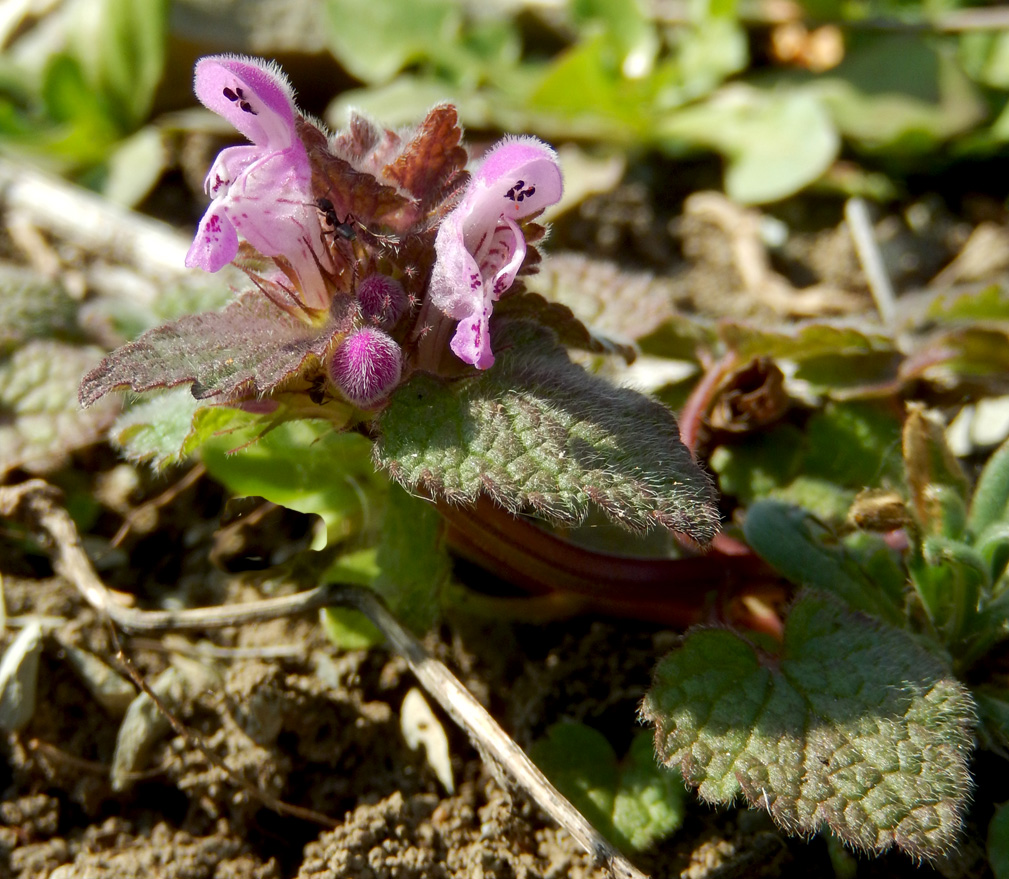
(92, 223)
(213, 651)
(37, 502)
(856, 214)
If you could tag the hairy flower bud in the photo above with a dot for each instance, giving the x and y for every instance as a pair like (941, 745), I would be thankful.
(382, 299)
(366, 367)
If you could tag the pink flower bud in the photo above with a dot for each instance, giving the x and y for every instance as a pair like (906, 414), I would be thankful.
(366, 367)
(382, 300)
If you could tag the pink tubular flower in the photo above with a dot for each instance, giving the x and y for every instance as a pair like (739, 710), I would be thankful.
(263, 191)
(480, 247)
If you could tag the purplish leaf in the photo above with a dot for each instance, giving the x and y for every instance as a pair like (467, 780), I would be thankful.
(248, 349)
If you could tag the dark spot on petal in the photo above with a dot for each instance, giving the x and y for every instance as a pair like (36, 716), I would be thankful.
(519, 191)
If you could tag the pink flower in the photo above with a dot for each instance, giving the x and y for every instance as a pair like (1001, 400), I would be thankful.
(480, 247)
(263, 191)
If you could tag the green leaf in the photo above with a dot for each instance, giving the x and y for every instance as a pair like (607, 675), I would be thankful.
(882, 564)
(993, 707)
(585, 88)
(854, 727)
(628, 31)
(32, 306)
(950, 578)
(992, 545)
(135, 167)
(985, 57)
(906, 108)
(538, 434)
(374, 41)
(766, 461)
(350, 629)
(40, 421)
(989, 304)
(582, 765)
(303, 465)
(650, 803)
(990, 503)
(846, 447)
(413, 561)
(121, 47)
(775, 143)
(634, 805)
(799, 548)
(166, 428)
(998, 842)
(803, 343)
(83, 129)
(856, 445)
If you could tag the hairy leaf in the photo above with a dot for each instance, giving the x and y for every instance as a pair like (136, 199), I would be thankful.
(537, 433)
(165, 428)
(246, 350)
(432, 157)
(627, 305)
(854, 727)
(40, 421)
(571, 332)
(32, 306)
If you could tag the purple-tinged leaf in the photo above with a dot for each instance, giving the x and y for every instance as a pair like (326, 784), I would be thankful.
(432, 156)
(245, 351)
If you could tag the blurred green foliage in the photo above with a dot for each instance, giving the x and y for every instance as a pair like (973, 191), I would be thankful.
(72, 92)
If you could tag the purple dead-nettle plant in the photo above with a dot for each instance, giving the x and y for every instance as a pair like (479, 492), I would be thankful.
(263, 191)
(480, 246)
(387, 297)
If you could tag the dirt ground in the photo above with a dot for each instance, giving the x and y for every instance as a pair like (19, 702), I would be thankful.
(315, 727)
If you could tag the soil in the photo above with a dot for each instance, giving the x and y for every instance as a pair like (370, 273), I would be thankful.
(319, 728)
